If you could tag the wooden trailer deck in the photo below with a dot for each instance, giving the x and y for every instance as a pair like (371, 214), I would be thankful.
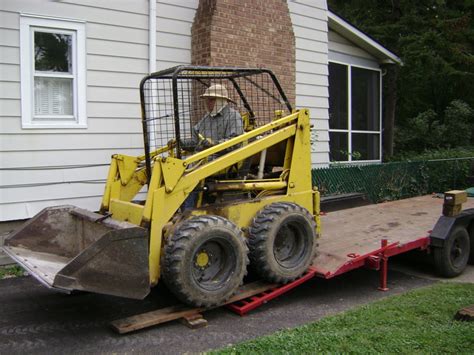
(348, 235)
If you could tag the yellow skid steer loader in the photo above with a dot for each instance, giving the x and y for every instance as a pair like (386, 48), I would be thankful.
(199, 205)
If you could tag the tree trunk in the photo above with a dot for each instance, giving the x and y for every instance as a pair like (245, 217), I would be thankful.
(390, 105)
(390, 96)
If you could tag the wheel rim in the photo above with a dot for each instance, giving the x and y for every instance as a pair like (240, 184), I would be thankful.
(289, 246)
(213, 263)
(458, 252)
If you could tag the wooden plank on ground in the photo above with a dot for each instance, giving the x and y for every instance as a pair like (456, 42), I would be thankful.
(152, 318)
(194, 321)
(163, 315)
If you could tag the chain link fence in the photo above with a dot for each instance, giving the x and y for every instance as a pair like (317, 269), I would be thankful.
(395, 180)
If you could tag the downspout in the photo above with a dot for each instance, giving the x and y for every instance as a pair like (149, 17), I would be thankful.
(152, 37)
(150, 137)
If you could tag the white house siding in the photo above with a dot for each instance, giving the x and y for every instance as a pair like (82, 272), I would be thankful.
(311, 34)
(117, 59)
(344, 51)
(174, 21)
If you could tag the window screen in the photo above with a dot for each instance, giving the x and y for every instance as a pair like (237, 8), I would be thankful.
(354, 113)
(365, 146)
(365, 99)
(338, 96)
(339, 146)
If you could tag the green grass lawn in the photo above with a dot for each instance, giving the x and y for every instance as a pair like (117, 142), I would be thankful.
(420, 321)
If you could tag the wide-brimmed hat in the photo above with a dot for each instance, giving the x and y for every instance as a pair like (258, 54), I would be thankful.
(217, 91)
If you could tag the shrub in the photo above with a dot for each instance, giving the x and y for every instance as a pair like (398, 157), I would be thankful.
(433, 154)
(458, 120)
(428, 131)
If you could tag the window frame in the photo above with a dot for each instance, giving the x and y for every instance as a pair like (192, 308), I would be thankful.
(28, 25)
(349, 129)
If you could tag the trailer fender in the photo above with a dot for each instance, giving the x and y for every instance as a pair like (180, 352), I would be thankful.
(445, 225)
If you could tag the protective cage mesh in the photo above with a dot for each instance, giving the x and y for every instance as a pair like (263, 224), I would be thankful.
(174, 104)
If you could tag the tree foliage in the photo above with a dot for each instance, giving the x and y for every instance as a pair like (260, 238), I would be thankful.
(434, 39)
(430, 131)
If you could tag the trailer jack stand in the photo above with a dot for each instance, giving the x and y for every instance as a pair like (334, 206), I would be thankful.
(383, 267)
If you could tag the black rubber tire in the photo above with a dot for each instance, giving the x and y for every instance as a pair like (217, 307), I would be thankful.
(451, 259)
(282, 242)
(211, 284)
(471, 239)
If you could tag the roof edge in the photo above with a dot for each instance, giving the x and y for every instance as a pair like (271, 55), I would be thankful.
(355, 35)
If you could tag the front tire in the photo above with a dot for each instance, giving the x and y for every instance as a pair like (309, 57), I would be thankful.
(205, 261)
(282, 242)
(452, 258)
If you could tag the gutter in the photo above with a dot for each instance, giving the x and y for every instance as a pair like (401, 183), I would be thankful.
(361, 39)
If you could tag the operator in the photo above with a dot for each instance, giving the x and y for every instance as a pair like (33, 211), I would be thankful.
(220, 123)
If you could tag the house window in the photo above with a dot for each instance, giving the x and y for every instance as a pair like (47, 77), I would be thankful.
(354, 113)
(53, 91)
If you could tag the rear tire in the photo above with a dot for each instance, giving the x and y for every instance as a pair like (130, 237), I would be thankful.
(205, 261)
(452, 258)
(471, 240)
(282, 242)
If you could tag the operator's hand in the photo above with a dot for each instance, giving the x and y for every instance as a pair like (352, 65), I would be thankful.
(204, 143)
(188, 145)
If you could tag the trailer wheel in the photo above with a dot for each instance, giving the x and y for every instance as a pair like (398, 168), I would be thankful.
(451, 259)
(282, 242)
(205, 261)
(471, 240)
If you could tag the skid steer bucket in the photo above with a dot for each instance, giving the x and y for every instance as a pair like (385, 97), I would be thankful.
(68, 248)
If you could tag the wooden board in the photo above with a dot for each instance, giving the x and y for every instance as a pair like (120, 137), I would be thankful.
(163, 315)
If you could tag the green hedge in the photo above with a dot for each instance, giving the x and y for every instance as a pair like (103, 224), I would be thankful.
(395, 180)
(435, 154)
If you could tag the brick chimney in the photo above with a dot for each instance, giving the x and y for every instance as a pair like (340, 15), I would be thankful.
(246, 33)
